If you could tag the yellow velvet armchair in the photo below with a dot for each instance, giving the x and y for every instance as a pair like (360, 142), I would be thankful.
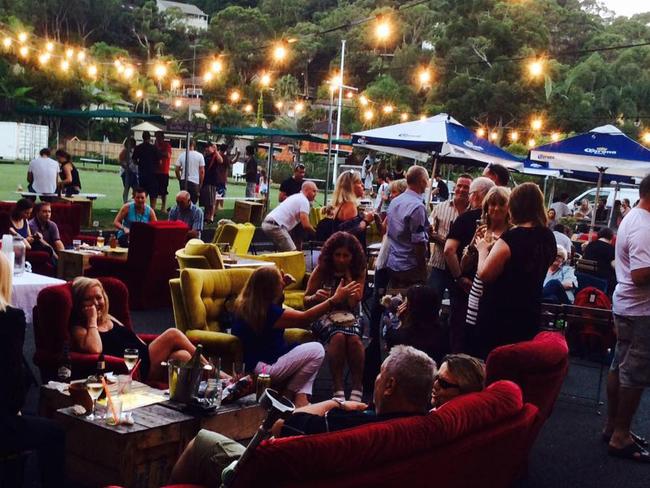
(237, 236)
(293, 263)
(200, 255)
(200, 297)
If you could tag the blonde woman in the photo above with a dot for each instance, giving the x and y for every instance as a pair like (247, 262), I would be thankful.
(344, 208)
(19, 433)
(95, 331)
(260, 321)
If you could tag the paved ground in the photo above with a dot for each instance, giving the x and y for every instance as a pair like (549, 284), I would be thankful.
(568, 452)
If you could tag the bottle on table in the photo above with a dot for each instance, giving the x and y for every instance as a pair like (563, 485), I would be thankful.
(100, 370)
(65, 368)
(100, 239)
(19, 255)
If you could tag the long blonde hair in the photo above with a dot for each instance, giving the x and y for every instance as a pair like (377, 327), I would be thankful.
(344, 189)
(263, 288)
(5, 282)
(80, 286)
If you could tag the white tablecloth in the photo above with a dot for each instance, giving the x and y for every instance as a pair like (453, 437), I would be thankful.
(26, 288)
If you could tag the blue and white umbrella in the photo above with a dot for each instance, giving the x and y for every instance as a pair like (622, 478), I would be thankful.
(440, 135)
(585, 156)
(603, 150)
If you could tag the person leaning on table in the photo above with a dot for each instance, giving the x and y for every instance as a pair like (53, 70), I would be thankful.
(290, 213)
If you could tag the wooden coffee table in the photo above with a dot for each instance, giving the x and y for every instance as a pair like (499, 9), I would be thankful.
(141, 455)
(74, 263)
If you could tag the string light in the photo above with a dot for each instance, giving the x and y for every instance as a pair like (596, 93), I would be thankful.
(536, 68)
(494, 135)
(6, 42)
(423, 118)
(645, 137)
(404, 117)
(69, 53)
(92, 71)
(139, 93)
(65, 65)
(178, 103)
(536, 124)
(349, 95)
(208, 76)
(24, 51)
(387, 109)
(279, 105)
(299, 107)
(480, 132)
(22, 37)
(49, 46)
(160, 71)
(81, 56)
(383, 29)
(44, 58)
(368, 115)
(555, 136)
(128, 72)
(514, 136)
(214, 108)
(175, 84)
(424, 76)
(280, 52)
(531, 142)
(235, 96)
(216, 66)
(363, 101)
(248, 108)
(265, 79)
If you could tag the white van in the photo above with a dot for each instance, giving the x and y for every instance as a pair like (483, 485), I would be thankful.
(632, 194)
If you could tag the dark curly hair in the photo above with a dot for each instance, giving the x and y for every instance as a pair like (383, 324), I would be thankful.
(351, 243)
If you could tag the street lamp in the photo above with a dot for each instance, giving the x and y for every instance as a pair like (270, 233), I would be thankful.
(264, 82)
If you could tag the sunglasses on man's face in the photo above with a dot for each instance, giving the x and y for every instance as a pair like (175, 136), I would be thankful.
(444, 384)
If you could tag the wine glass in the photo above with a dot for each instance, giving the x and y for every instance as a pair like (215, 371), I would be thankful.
(130, 358)
(238, 370)
(94, 387)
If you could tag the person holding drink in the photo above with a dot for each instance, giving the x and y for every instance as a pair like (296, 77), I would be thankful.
(341, 261)
(259, 322)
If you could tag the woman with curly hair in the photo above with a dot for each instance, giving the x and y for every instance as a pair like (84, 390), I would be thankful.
(341, 260)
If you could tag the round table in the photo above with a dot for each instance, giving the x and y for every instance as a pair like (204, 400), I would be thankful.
(26, 288)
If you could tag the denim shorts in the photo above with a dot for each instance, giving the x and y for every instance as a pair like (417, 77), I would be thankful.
(632, 353)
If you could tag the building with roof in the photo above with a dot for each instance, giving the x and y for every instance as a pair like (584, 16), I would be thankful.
(192, 16)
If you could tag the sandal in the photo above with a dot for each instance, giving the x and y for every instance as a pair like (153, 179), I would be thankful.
(632, 451)
(640, 441)
(356, 396)
(339, 395)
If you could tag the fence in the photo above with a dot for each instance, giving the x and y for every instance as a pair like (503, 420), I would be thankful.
(98, 151)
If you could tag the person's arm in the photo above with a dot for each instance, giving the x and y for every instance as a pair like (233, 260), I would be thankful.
(86, 337)
(639, 257)
(491, 262)
(58, 245)
(304, 221)
(314, 294)
(119, 218)
(570, 281)
(153, 217)
(419, 237)
(201, 175)
(67, 172)
(30, 177)
(320, 410)
(282, 196)
(302, 319)
(177, 167)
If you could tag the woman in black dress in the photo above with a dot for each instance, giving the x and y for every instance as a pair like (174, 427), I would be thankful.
(95, 331)
(513, 272)
(69, 175)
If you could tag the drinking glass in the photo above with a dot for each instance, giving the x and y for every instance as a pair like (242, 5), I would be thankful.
(94, 387)
(113, 414)
(100, 241)
(238, 370)
(130, 358)
(76, 244)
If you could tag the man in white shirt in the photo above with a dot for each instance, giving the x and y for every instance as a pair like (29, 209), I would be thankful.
(561, 208)
(195, 168)
(630, 371)
(292, 211)
(42, 173)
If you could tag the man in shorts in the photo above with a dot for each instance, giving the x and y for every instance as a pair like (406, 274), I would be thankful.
(162, 171)
(630, 371)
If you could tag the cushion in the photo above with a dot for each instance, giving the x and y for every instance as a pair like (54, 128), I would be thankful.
(196, 247)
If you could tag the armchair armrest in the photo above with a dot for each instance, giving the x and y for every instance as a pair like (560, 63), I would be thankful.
(298, 336)
(148, 338)
(84, 364)
(217, 344)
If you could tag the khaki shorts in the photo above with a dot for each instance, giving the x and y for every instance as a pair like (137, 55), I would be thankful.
(211, 453)
(632, 353)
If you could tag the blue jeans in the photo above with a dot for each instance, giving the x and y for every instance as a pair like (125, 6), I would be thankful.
(554, 292)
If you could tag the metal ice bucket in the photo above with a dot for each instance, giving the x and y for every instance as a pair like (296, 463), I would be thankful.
(183, 381)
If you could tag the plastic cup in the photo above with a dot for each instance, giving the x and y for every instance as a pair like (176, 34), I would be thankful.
(124, 383)
(113, 414)
(76, 244)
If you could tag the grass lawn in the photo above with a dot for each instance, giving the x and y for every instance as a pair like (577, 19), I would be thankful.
(109, 183)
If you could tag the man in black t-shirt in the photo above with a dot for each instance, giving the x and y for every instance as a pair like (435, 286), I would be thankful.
(147, 157)
(460, 236)
(441, 191)
(602, 251)
(293, 184)
(251, 172)
(403, 388)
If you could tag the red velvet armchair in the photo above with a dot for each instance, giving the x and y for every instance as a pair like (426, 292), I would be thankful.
(150, 263)
(52, 329)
